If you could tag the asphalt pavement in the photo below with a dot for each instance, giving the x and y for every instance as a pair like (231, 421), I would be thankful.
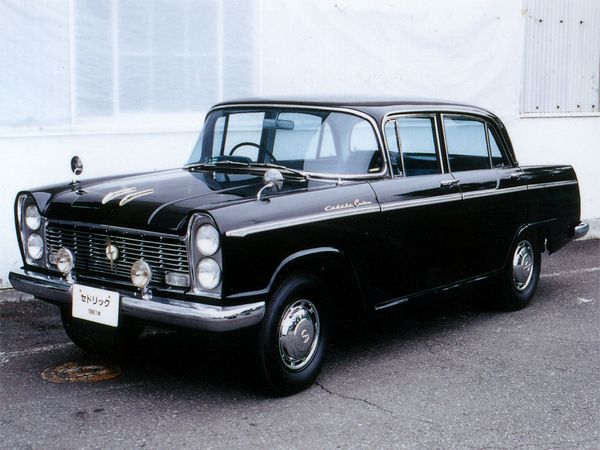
(442, 373)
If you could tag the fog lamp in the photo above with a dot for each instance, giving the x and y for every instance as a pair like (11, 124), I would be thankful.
(141, 274)
(208, 273)
(35, 246)
(64, 260)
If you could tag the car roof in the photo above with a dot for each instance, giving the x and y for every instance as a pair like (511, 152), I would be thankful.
(374, 106)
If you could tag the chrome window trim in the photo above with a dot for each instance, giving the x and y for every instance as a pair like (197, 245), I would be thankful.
(382, 149)
(387, 149)
(487, 141)
(552, 184)
(311, 218)
(506, 164)
(472, 117)
(395, 115)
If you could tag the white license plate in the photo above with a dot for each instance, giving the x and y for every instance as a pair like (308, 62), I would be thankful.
(96, 305)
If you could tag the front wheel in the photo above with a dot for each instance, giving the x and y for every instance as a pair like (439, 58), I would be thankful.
(522, 274)
(101, 339)
(293, 336)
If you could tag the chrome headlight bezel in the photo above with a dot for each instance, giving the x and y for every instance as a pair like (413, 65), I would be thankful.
(25, 202)
(196, 255)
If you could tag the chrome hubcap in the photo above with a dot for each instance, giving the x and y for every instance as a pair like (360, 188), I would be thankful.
(299, 334)
(523, 262)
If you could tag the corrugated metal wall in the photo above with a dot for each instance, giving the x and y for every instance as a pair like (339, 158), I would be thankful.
(562, 56)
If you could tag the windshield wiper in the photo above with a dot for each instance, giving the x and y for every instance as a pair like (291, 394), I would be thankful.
(297, 172)
(225, 162)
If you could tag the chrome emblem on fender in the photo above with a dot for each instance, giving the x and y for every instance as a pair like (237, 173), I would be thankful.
(112, 195)
(355, 204)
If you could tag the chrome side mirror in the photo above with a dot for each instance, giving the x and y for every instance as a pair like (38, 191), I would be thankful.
(76, 168)
(273, 179)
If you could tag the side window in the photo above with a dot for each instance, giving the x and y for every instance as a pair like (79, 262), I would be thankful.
(497, 158)
(466, 144)
(417, 143)
(392, 144)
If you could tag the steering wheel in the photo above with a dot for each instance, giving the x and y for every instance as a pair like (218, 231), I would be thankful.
(252, 144)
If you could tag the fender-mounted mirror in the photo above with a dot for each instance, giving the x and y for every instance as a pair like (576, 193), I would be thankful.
(76, 167)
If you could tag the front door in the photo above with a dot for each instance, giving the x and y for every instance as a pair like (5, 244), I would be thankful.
(421, 206)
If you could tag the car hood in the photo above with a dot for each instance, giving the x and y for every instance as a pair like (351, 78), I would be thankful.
(166, 199)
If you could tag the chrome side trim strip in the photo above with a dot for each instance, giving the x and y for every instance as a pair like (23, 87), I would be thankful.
(420, 202)
(443, 288)
(488, 192)
(135, 195)
(277, 224)
(552, 184)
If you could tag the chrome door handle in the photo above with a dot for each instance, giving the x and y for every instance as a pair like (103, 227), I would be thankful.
(515, 175)
(449, 183)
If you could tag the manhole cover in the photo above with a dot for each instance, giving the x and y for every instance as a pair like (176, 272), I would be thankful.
(79, 372)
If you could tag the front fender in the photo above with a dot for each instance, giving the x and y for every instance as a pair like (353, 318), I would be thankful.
(331, 265)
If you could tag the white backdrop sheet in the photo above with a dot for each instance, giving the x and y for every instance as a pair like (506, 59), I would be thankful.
(69, 64)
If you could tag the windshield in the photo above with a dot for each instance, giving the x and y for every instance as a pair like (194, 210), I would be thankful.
(312, 141)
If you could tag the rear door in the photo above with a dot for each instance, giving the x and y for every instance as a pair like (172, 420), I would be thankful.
(492, 191)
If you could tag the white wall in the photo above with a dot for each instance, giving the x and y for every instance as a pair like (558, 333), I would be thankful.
(462, 50)
(456, 50)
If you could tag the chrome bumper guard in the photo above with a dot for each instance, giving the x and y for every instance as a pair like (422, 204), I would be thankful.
(581, 230)
(157, 309)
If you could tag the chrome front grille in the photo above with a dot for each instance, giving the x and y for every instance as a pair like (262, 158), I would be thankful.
(88, 244)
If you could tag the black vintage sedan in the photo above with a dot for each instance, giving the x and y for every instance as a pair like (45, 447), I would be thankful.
(290, 213)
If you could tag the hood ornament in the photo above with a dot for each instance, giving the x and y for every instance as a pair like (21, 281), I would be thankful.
(273, 179)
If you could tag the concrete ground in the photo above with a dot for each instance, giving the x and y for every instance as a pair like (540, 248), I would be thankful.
(443, 373)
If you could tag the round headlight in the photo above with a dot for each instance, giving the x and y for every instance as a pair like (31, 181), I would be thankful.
(64, 260)
(33, 220)
(35, 246)
(208, 273)
(141, 274)
(207, 239)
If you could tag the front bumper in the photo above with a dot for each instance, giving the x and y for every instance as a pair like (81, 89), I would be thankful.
(156, 309)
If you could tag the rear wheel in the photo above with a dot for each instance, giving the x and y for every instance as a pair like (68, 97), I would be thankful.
(293, 336)
(101, 339)
(521, 276)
